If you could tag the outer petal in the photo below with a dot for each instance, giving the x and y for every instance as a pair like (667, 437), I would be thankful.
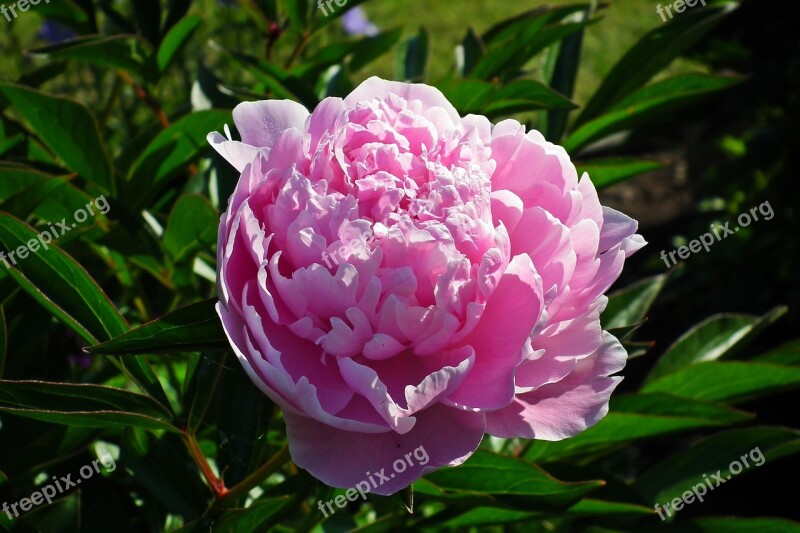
(564, 409)
(260, 123)
(446, 436)
(236, 153)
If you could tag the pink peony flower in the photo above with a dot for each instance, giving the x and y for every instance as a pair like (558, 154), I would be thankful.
(395, 276)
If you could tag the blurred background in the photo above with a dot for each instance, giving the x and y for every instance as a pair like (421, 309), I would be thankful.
(682, 124)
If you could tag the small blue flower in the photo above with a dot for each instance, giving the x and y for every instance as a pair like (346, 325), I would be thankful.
(54, 32)
(355, 22)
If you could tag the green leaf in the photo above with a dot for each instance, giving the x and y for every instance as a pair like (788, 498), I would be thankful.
(650, 55)
(275, 80)
(716, 337)
(369, 49)
(68, 129)
(688, 468)
(786, 354)
(60, 203)
(64, 514)
(3, 341)
(735, 524)
(172, 150)
(510, 48)
(69, 13)
(60, 284)
(26, 201)
(525, 95)
(255, 518)
(163, 473)
(493, 474)
(191, 328)
(175, 41)
(299, 12)
(83, 405)
(412, 57)
(729, 382)
(467, 96)
(629, 306)
(481, 97)
(191, 227)
(608, 171)
(469, 52)
(647, 103)
(125, 52)
(565, 59)
(637, 417)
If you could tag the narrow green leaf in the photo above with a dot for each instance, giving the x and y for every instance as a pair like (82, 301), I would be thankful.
(608, 171)
(412, 57)
(60, 203)
(26, 201)
(3, 341)
(486, 472)
(786, 354)
(125, 52)
(275, 80)
(59, 283)
(651, 54)
(82, 405)
(647, 103)
(69, 13)
(68, 129)
(469, 52)
(525, 95)
(509, 49)
(371, 48)
(191, 328)
(298, 11)
(566, 57)
(175, 41)
(172, 150)
(729, 382)
(191, 227)
(737, 524)
(716, 337)
(254, 518)
(629, 306)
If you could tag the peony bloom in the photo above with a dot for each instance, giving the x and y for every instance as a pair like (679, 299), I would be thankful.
(395, 276)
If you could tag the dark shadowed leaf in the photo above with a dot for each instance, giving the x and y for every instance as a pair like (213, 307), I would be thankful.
(191, 328)
(607, 172)
(68, 128)
(191, 227)
(750, 447)
(92, 406)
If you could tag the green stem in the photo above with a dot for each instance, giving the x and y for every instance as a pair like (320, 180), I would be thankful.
(255, 479)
